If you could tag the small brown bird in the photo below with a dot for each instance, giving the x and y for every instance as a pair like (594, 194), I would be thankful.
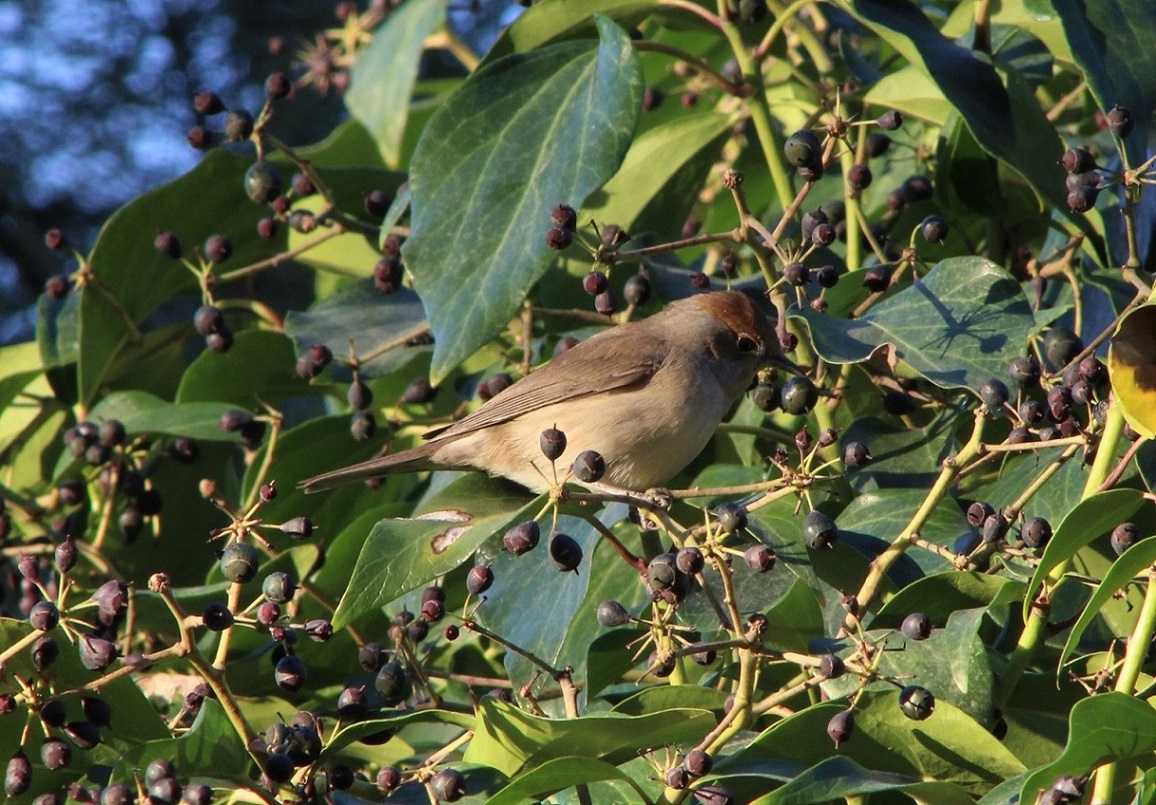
(647, 396)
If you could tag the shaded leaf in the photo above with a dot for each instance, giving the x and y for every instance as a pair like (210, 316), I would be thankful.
(482, 190)
(372, 319)
(948, 747)
(838, 777)
(958, 326)
(1114, 44)
(259, 366)
(940, 595)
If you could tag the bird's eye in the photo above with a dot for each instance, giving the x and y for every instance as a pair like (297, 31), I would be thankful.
(746, 344)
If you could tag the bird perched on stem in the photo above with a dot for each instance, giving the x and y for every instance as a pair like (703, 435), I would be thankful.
(646, 395)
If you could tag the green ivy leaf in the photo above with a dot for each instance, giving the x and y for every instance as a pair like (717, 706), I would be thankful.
(1108, 727)
(654, 189)
(958, 326)
(372, 319)
(401, 555)
(1090, 518)
(558, 774)
(141, 412)
(838, 777)
(510, 740)
(1114, 44)
(383, 77)
(1122, 572)
(492, 163)
(948, 747)
(259, 366)
(560, 20)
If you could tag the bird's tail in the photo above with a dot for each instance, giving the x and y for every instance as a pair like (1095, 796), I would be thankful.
(413, 460)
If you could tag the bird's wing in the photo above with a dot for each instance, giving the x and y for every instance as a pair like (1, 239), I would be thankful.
(578, 372)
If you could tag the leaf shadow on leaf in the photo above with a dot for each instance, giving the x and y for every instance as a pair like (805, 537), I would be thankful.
(957, 328)
(939, 750)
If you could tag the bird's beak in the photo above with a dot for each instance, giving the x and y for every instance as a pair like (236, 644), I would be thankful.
(781, 361)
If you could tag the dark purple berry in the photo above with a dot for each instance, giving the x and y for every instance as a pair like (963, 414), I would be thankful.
(522, 538)
(218, 248)
(916, 626)
(565, 552)
(890, 120)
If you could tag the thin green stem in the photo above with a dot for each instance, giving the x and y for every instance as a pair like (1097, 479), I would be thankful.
(884, 561)
(760, 110)
(1035, 630)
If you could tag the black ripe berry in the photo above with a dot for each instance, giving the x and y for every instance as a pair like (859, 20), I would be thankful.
(819, 530)
(522, 538)
(760, 558)
(890, 121)
(564, 217)
(637, 290)
(262, 182)
(1061, 345)
(916, 703)
(877, 278)
(448, 785)
(558, 238)
(218, 248)
(479, 579)
(831, 666)
(565, 552)
(732, 517)
(207, 102)
(766, 396)
(994, 394)
(610, 614)
(916, 626)
(1024, 372)
(856, 454)
(277, 86)
(1036, 532)
(799, 396)
(1120, 121)
(859, 177)
(208, 320)
(553, 443)
(1078, 160)
(239, 562)
(841, 727)
(589, 466)
(933, 229)
(238, 125)
(1123, 537)
(803, 150)
(689, 560)
(377, 203)
(978, 512)
(419, 392)
(796, 274)
(167, 244)
(595, 283)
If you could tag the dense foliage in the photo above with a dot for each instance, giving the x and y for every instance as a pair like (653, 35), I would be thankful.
(920, 570)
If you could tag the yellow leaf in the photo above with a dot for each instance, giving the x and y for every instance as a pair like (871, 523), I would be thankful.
(1132, 366)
